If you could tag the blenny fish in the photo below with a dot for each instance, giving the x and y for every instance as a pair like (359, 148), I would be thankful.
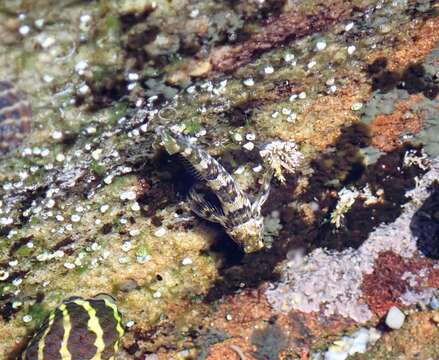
(78, 329)
(240, 217)
(15, 115)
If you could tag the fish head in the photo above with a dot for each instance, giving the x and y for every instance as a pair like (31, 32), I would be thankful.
(249, 234)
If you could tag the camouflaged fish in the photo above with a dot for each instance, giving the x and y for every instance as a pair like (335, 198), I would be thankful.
(241, 218)
(78, 329)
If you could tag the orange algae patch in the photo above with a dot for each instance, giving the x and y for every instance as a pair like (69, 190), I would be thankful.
(386, 130)
(421, 39)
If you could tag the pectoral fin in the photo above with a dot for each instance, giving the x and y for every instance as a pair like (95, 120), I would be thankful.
(203, 208)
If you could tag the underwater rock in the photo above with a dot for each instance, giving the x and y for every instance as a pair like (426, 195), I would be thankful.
(395, 318)
(15, 116)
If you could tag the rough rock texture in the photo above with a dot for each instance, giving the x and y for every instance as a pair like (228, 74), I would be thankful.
(89, 202)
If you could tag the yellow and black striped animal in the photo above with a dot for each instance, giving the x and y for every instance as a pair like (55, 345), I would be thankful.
(78, 329)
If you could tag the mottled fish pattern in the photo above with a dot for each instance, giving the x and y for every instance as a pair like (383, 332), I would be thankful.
(15, 115)
(240, 217)
(78, 329)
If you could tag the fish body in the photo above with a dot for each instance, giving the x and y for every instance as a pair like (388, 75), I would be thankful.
(78, 329)
(241, 218)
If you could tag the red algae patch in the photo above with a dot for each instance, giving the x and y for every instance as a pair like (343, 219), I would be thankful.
(393, 276)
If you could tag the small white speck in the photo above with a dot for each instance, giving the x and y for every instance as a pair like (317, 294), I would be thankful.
(84, 89)
(48, 78)
(160, 232)
(75, 218)
(292, 117)
(30, 245)
(56, 135)
(39, 23)
(134, 232)
(128, 195)
(108, 179)
(69, 265)
(320, 45)
(286, 111)
(50, 204)
(16, 304)
(302, 95)
(98, 221)
(126, 246)
(59, 253)
(191, 89)
(351, 49)
(194, 13)
(91, 130)
(257, 169)
(27, 318)
(47, 42)
(85, 18)
(237, 137)
(60, 157)
(104, 208)
(96, 154)
(293, 97)
(250, 136)
(45, 152)
(157, 295)
(13, 263)
(17, 281)
(330, 82)
(356, 106)
(187, 261)
(349, 26)
(269, 69)
(229, 317)
(275, 114)
(59, 217)
(6, 221)
(24, 30)
(3, 275)
(249, 146)
(249, 82)
(133, 76)
(130, 324)
(81, 66)
(288, 57)
(135, 206)
(311, 64)
(333, 89)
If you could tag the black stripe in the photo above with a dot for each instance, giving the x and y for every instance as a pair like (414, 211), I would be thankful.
(240, 216)
(213, 169)
(81, 340)
(54, 337)
(108, 324)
